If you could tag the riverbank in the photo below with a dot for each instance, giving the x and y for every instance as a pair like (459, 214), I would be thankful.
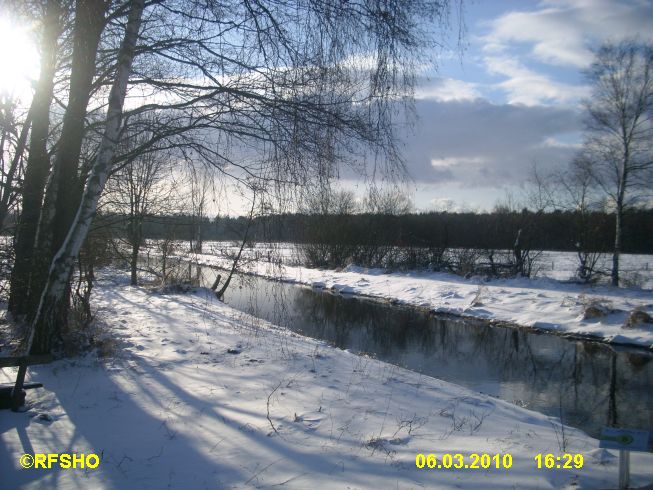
(599, 312)
(185, 392)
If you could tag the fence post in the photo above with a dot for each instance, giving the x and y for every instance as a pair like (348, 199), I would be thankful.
(624, 469)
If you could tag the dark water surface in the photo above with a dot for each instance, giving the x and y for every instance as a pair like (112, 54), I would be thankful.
(589, 384)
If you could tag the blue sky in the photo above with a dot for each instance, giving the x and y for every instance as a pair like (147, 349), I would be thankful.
(511, 99)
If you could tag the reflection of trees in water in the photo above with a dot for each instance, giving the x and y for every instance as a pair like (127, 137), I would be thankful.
(261, 298)
(507, 352)
(350, 324)
(609, 385)
(612, 397)
(637, 361)
(583, 382)
(588, 383)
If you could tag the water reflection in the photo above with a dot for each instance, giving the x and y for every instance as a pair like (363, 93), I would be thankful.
(589, 384)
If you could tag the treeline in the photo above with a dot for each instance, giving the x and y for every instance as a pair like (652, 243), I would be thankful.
(558, 230)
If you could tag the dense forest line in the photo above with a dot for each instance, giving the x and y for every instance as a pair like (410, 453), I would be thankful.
(565, 231)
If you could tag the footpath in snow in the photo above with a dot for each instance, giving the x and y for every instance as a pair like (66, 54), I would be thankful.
(541, 303)
(185, 392)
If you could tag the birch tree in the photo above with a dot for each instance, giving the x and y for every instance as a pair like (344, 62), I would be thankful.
(138, 188)
(45, 323)
(618, 151)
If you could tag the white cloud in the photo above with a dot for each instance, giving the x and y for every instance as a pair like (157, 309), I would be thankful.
(524, 86)
(447, 89)
(552, 142)
(440, 163)
(443, 204)
(560, 32)
(555, 40)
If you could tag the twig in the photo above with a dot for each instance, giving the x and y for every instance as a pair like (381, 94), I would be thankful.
(268, 407)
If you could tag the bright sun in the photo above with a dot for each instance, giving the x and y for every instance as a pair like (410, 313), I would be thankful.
(19, 61)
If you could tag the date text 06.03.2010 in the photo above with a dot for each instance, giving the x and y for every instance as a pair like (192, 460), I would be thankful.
(459, 460)
(497, 461)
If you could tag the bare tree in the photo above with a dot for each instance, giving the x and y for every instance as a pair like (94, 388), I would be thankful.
(14, 129)
(236, 258)
(578, 194)
(38, 161)
(617, 152)
(140, 187)
(572, 190)
(200, 190)
(389, 201)
(520, 224)
(327, 231)
(280, 91)
(377, 243)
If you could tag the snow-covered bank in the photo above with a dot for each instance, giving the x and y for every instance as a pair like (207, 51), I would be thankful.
(192, 394)
(542, 303)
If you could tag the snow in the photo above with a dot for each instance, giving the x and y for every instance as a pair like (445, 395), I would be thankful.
(542, 302)
(635, 269)
(178, 394)
(185, 392)
(339, 288)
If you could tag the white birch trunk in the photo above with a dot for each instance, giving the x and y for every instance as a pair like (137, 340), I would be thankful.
(53, 298)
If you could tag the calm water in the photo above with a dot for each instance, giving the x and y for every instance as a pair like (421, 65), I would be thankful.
(589, 384)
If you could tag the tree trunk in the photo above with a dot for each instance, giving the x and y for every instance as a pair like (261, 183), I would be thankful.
(234, 266)
(198, 238)
(518, 254)
(618, 218)
(59, 207)
(135, 240)
(45, 326)
(8, 191)
(38, 162)
(89, 24)
(617, 245)
(134, 263)
(613, 418)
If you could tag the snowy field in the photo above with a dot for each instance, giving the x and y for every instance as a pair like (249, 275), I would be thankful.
(548, 303)
(184, 392)
(636, 269)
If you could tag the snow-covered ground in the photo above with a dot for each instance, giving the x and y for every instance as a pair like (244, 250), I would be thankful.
(636, 269)
(184, 392)
(541, 302)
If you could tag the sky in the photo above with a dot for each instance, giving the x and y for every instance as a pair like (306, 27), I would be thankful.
(512, 98)
(507, 99)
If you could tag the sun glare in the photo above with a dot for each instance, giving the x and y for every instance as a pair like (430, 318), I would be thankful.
(19, 61)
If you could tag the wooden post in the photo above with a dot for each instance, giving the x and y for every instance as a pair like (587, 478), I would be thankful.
(17, 392)
(624, 469)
